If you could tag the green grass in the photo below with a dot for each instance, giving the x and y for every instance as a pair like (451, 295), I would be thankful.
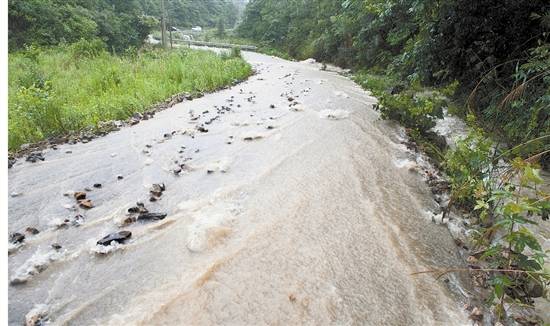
(59, 90)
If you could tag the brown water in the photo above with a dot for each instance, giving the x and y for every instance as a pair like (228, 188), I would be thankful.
(319, 221)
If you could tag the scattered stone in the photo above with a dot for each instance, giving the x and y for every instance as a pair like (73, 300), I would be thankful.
(476, 314)
(56, 246)
(153, 199)
(152, 216)
(17, 238)
(86, 204)
(272, 106)
(138, 209)
(80, 195)
(252, 137)
(157, 189)
(34, 157)
(11, 162)
(15, 194)
(119, 237)
(32, 230)
(202, 129)
(292, 298)
(76, 221)
(87, 189)
(119, 177)
(97, 185)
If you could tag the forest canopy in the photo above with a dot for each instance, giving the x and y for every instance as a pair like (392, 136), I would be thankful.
(118, 23)
(489, 49)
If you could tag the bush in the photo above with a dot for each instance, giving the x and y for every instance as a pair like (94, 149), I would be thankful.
(37, 105)
(508, 200)
(411, 110)
(236, 52)
(87, 48)
(468, 168)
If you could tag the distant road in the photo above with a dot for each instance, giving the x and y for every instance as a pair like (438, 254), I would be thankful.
(218, 45)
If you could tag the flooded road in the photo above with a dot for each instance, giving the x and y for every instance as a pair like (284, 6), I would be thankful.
(295, 205)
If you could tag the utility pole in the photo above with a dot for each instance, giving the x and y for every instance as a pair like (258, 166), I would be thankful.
(170, 31)
(171, 43)
(163, 24)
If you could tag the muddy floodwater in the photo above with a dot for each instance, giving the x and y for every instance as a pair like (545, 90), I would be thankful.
(294, 204)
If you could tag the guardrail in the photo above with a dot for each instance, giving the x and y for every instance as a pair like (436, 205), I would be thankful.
(218, 45)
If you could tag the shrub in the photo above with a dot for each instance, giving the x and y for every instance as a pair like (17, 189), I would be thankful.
(236, 52)
(469, 168)
(411, 110)
(508, 200)
(87, 48)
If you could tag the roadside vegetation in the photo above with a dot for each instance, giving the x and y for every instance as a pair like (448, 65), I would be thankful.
(53, 91)
(487, 62)
(74, 64)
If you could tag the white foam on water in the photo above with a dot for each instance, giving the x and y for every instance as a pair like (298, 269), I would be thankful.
(405, 164)
(341, 94)
(334, 114)
(37, 315)
(252, 135)
(222, 165)
(38, 263)
(210, 227)
(309, 61)
(213, 219)
(57, 222)
(96, 249)
(244, 123)
(298, 108)
(13, 247)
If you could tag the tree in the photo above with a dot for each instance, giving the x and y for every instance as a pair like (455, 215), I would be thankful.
(118, 23)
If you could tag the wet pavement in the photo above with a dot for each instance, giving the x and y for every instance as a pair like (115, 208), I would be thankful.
(285, 201)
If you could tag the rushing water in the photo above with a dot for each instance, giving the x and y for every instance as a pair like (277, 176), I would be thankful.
(308, 217)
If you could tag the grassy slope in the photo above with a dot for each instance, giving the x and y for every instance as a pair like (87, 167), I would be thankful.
(52, 91)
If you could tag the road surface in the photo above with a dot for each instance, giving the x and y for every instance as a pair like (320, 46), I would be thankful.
(299, 206)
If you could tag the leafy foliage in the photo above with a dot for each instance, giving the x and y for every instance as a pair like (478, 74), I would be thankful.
(188, 13)
(497, 50)
(509, 202)
(119, 24)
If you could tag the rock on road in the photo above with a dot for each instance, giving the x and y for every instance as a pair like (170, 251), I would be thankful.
(289, 204)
